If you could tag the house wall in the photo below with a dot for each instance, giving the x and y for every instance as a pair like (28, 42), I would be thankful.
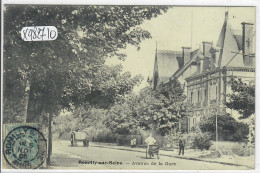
(191, 70)
(207, 92)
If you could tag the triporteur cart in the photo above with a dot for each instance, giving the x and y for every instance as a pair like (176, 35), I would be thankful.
(79, 136)
(153, 150)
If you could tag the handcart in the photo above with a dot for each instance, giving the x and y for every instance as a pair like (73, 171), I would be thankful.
(153, 150)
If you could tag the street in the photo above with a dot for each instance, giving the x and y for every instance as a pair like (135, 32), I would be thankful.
(95, 157)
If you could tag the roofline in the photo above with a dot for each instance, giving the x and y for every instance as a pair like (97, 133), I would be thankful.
(212, 71)
(210, 42)
(183, 68)
(220, 69)
(245, 23)
(169, 52)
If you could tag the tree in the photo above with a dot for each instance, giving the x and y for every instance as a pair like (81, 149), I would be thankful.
(51, 76)
(83, 118)
(242, 98)
(122, 118)
(157, 110)
(65, 123)
(161, 109)
(228, 128)
(87, 36)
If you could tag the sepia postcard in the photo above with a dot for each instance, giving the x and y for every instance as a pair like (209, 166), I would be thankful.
(128, 87)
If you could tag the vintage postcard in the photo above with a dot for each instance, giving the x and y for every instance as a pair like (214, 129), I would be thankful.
(128, 87)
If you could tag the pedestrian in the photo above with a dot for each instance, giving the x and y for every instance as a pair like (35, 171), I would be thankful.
(133, 143)
(181, 146)
(150, 141)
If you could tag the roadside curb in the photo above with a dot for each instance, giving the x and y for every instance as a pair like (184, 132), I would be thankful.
(179, 157)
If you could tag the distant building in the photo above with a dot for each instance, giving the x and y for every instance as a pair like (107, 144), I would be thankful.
(206, 72)
(165, 64)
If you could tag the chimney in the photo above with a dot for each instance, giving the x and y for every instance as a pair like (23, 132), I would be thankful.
(180, 61)
(186, 54)
(247, 38)
(206, 48)
(214, 57)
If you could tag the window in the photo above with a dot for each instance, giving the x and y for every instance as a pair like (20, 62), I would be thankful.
(205, 95)
(216, 92)
(195, 97)
(198, 68)
(198, 96)
(213, 92)
(191, 97)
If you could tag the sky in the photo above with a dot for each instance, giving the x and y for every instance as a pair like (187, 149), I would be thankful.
(181, 26)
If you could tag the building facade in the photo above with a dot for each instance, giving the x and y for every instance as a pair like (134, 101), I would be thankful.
(206, 73)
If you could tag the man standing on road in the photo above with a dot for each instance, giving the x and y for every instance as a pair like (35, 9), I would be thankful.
(150, 141)
(181, 146)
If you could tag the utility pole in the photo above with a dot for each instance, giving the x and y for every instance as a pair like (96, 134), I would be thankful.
(49, 140)
(216, 130)
(191, 29)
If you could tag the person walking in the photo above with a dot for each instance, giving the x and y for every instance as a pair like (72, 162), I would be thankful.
(181, 146)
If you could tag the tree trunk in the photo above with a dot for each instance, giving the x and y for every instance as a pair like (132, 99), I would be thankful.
(153, 130)
(26, 99)
(31, 105)
(49, 140)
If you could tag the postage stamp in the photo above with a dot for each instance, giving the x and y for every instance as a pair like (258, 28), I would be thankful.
(24, 146)
(128, 87)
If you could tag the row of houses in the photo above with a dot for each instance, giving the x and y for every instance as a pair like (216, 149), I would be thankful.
(205, 72)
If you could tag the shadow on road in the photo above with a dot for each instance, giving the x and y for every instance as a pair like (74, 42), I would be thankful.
(77, 146)
(143, 157)
(62, 160)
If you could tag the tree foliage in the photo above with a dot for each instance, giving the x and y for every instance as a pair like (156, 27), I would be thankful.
(157, 110)
(201, 141)
(162, 108)
(228, 128)
(243, 97)
(53, 75)
(122, 119)
(83, 118)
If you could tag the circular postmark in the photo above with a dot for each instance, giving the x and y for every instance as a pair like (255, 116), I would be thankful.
(25, 148)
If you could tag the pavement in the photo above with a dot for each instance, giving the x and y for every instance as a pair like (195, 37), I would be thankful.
(66, 157)
(192, 154)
